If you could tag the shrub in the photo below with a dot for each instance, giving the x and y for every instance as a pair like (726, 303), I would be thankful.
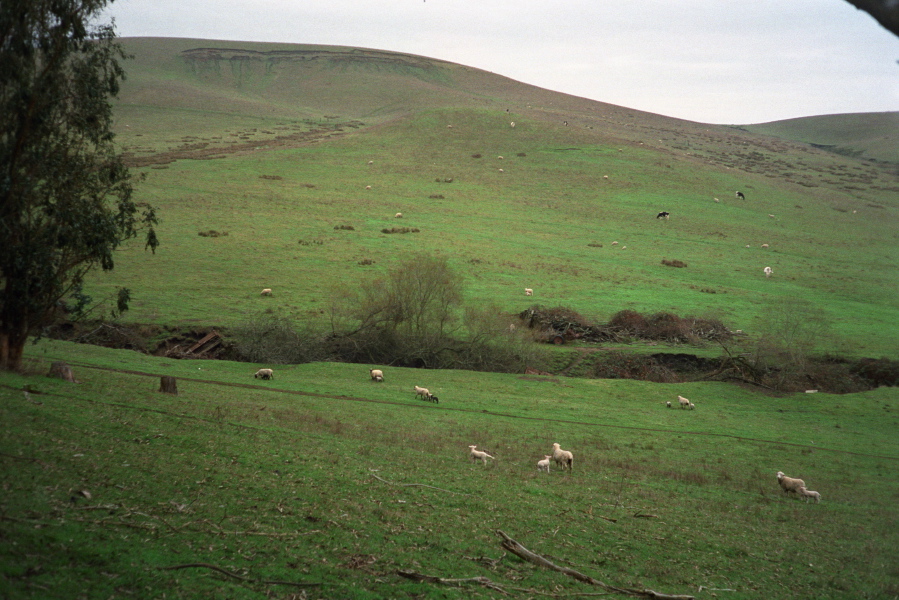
(674, 263)
(212, 233)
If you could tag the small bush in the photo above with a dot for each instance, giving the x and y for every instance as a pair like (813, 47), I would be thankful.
(436, 197)
(344, 227)
(212, 233)
(310, 242)
(401, 230)
(478, 155)
(674, 263)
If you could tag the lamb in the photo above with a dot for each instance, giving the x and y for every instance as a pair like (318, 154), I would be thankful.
(266, 292)
(768, 271)
(684, 403)
(543, 465)
(512, 124)
(264, 374)
(808, 494)
(788, 484)
(479, 455)
(376, 375)
(668, 404)
(563, 457)
(528, 292)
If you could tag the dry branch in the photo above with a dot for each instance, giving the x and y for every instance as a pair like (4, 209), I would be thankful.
(517, 549)
(230, 574)
(417, 485)
(484, 581)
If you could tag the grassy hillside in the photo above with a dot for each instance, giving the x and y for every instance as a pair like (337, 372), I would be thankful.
(868, 136)
(277, 145)
(320, 478)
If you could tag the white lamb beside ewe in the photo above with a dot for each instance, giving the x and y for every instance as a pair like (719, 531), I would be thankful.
(479, 455)
(264, 374)
(563, 458)
(543, 465)
(809, 494)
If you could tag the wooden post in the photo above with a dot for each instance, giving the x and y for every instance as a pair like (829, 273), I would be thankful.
(62, 371)
(167, 385)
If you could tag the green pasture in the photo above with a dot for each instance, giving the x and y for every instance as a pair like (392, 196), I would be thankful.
(547, 221)
(323, 477)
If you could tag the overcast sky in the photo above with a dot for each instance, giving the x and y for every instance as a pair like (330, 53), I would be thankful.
(714, 61)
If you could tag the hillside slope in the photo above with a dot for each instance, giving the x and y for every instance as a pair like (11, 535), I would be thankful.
(280, 146)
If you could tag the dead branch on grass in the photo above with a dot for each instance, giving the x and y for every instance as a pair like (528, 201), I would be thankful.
(517, 549)
(230, 574)
(484, 581)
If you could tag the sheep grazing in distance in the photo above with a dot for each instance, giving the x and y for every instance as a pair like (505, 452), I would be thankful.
(479, 455)
(499, 157)
(501, 171)
(614, 243)
(563, 457)
(512, 124)
(264, 374)
(765, 246)
(376, 375)
(398, 216)
(371, 162)
(605, 176)
(668, 404)
(543, 465)
(716, 200)
(741, 196)
(684, 403)
(528, 292)
(266, 292)
(424, 394)
(788, 484)
(663, 215)
(809, 494)
(768, 271)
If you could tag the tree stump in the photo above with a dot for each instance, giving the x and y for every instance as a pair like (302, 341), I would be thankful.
(167, 385)
(62, 371)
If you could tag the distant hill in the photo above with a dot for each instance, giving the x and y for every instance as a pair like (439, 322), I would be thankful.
(870, 136)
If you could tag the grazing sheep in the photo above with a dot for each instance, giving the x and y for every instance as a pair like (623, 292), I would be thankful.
(501, 171)
(266, 292)
(499, 157)
(479, 455)
(528, 292)
(614, 243)
(765, 246)
(371, 162)
(788, 484)
(512, 124)
(772, 216)
(768, 271)
(741, 196)
(543, 465)
(684, 403)
(398, 216)
(605, 176)
(663, 215)
(563, 457)
(716, 200)
(808, 494)
(425, 394)
(376, 375)
(264, 374)
(668, 404)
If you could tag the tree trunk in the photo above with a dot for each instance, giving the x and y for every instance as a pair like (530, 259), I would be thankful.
(167, 385)
(11, 348)
(62, 371)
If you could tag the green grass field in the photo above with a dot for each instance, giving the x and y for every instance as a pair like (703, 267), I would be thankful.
(323, 477)
(240, 488)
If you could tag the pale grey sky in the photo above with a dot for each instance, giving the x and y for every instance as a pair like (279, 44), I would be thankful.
(714, 61)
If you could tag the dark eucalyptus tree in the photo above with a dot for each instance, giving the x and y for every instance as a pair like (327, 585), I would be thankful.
(65, 195)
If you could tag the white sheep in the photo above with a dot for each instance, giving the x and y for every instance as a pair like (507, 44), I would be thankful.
(528, 292)
(368, 187)
(692, 406)
(424, 393)
(479, 455)
(264, 374)
(809, 494)
(684, 403)
(668, 404)
(788, 484)
(764, 245)
(563, 457)
(768, 271)
(543, 465)
(376, 375)
(512, 124)
(398, 216)
(266, 292)
(501, 171)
